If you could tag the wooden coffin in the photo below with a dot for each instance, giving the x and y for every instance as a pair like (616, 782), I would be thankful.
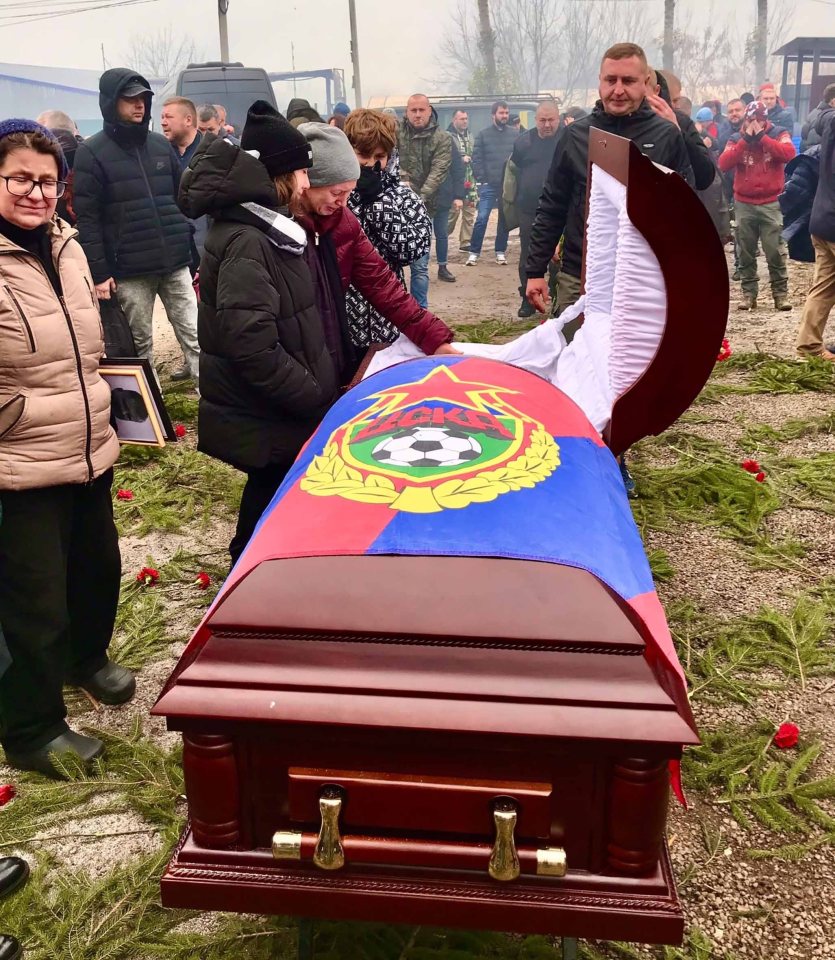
(442, 691)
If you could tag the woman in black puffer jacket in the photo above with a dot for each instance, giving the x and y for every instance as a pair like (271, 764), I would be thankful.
(266, 371)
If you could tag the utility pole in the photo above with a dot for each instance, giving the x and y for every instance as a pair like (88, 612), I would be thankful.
(761, 33)
(669, 29)
(222, 10)
(355, 53)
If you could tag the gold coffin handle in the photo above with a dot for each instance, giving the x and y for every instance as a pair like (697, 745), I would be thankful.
(504, 862)
(329, 854)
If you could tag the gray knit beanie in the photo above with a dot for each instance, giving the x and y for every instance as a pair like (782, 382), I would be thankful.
(334, 160)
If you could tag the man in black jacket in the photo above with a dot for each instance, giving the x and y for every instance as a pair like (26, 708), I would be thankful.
(492, 150)
(137, 241)
(531, 160)
(625, 108)
(809, 137)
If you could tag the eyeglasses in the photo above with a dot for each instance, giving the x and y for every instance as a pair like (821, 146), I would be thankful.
(23, 186)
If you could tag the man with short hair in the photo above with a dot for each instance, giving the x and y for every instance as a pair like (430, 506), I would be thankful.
(57, 120)
(736, 112)
(463, 139)
(221, 112)
(492, 150)
(137, 242)
(777, 113)
(809, 137)
(208, 120)
(425, 160)
(530, 163)
(758, 155)
(625, 108)
(179, 127)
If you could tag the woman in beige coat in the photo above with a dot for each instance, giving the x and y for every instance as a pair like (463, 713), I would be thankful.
(59, 550)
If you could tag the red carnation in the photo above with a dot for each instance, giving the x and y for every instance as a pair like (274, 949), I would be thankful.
(7, 792)
(760, 477)
(123, 494)
(787, 736)
(751, 466)
(203, 580)
(147, 576)
(180, 430)
(725, 352)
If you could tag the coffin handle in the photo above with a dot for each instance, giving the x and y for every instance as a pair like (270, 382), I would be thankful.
(504, 861)
(329, 854)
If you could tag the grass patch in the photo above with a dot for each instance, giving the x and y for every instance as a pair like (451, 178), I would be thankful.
(495, 330)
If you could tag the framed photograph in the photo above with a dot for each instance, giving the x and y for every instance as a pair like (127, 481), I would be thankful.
(137, 409)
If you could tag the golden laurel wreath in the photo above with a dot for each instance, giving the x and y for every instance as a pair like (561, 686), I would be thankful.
(329, 476)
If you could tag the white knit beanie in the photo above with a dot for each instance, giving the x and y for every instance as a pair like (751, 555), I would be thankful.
(334, 160)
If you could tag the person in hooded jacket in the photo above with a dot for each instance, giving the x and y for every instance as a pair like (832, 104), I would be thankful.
(796, 201)
(809, 136)
(137, 241)
(391, 214)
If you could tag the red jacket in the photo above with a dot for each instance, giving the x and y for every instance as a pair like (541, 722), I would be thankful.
(361, 266)
(758, 165)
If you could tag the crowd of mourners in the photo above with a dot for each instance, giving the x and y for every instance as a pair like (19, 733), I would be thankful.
(279, 252)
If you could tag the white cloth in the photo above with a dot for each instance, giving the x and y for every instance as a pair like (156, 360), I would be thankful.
(624, 307)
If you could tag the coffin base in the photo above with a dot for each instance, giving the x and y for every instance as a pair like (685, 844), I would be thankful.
(583, 905)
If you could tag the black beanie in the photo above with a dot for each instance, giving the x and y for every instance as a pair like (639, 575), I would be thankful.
(281, 148)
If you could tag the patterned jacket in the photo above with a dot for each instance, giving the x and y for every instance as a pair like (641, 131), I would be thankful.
(398, 226)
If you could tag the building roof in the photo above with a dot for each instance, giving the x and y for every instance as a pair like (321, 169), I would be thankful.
(806, 45)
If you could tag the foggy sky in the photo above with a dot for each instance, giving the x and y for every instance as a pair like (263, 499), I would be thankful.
(397, 38)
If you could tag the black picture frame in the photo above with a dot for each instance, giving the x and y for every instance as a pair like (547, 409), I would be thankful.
(120, 371)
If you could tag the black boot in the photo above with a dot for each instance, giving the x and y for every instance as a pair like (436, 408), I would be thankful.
(444, 274)
(14, 872)
(10, 948)
(111, 685)
(70, 743)
(526, 309)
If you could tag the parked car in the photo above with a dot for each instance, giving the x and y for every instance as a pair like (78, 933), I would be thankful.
(232, 84)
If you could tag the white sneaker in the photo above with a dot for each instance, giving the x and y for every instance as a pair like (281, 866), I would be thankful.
(502, 259)
(472, 260)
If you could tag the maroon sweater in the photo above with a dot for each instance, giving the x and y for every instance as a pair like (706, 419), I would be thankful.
(758, 165)
(361, 265)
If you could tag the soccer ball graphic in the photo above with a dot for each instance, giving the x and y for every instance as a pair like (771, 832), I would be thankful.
(427, 447)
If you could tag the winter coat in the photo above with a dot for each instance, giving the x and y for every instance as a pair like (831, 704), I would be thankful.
(453, 187)
(822, 221)
(758, 163)
(54, 406)
(532, 156)
(809, 137)
(464, 142)
(796, 203)
(124, 194)
(266, 375)
(562, 206)
(425, 158)
(363, 268)
(782, 116)
(701, 160)
(492, 150)
(397, 224)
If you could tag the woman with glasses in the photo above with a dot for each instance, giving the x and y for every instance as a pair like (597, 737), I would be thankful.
(59, 550)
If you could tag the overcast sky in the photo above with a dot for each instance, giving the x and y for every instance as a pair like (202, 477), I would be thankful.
(397, 38)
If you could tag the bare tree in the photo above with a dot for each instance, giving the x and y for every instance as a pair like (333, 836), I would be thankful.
(487, 43)
(161, 54)
(669, 28)
(761, 42)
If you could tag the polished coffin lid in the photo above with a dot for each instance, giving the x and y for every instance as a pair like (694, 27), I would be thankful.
(493, 646)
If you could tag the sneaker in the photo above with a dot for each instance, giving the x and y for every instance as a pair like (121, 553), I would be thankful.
(502, 259)
(747, 303)
(464, 247)
(444, 274)
(782, 303)
(181, 374)
(525, 310)
(472, 260)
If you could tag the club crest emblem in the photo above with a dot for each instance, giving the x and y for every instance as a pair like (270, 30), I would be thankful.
(436, 444)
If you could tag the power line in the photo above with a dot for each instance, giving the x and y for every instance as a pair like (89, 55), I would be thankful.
(14, 19)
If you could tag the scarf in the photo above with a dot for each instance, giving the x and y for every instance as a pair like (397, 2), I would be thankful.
(282, 232)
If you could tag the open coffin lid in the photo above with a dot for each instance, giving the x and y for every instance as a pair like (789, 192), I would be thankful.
(647, 344)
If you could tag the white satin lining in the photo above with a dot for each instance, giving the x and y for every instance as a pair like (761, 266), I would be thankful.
(625, 307)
